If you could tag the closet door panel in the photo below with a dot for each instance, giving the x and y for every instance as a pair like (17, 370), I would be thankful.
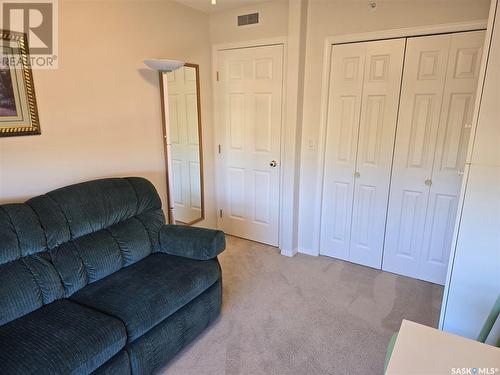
(379, 108)
(424, 76)
(346, 83)
(452, 141)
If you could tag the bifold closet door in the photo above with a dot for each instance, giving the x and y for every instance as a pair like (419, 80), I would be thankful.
(365, 82)
(437, 99)
(344, 112)
(451, 149)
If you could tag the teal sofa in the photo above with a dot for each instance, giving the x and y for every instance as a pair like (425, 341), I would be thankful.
(92, 281)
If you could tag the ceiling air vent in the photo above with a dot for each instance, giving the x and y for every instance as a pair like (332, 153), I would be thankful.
(248, 19)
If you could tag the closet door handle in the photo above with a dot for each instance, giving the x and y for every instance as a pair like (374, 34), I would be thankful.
(357, 174)
(428, 182)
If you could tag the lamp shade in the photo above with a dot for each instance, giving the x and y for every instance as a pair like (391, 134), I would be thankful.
(163, 65)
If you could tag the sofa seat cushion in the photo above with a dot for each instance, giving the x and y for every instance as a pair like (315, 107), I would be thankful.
(145, 293)
(59, 338)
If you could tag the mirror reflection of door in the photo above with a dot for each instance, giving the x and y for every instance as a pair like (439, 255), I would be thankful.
(185, 140)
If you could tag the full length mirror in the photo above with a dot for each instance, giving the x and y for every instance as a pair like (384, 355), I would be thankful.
(185, 162)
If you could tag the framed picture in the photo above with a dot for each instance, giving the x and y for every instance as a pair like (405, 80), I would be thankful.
(18, 110)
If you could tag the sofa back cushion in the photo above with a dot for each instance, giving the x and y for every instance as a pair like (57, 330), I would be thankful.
(74, 211)
(57, 243)
(95, 228)
(20, 232)
(27, 279)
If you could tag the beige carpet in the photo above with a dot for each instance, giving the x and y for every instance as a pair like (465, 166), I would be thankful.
(303, 315)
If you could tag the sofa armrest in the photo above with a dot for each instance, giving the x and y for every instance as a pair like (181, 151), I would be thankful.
(191, 242)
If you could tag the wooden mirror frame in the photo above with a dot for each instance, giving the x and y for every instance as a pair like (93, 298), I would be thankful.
(170, 216)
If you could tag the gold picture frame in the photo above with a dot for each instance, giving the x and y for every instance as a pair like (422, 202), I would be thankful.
(18, 109)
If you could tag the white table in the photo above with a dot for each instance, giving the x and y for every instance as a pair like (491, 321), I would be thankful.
(421, 350)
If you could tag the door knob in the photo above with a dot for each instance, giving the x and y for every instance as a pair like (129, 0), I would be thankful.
(273, 163)
(428, 182)
(357, 174)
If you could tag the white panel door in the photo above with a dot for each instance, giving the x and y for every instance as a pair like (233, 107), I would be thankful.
(449, 161)
(439, 82)
(344, 110)
(250, 106)
(424, 75)
(377, 130)
(364, 93)
(183, 132)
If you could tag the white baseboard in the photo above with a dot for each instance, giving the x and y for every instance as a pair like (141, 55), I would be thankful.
(308, 252)
(289, 253)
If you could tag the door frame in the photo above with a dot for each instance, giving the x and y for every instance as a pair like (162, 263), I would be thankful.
(219, 131)
(325, 92)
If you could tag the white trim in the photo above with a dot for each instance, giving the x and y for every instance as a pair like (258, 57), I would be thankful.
(246, 44)
(409, 32)
(283, 164)
(218, 132)
(325, 88)
(362, 37)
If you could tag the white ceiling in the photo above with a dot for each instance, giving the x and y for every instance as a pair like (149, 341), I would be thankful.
(207, 7)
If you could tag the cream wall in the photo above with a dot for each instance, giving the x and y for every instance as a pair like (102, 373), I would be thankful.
(294, 95)
(273, 22)
(337, 17)
(100, 111)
